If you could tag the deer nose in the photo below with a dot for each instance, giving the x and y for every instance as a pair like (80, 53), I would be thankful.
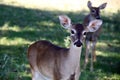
(78, 43)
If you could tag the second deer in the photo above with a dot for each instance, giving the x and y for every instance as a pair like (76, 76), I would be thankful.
(92, 37)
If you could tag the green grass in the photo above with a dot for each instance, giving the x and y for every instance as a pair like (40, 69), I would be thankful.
(19, 27)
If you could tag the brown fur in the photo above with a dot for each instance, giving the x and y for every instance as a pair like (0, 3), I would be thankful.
(46, 57)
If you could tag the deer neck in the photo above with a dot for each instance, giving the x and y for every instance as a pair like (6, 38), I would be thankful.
(91, 17)
(75, 52)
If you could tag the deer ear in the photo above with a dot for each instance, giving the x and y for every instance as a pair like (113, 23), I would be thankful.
(65, 21)
(94, 25)
(89, 4)
(102, 6)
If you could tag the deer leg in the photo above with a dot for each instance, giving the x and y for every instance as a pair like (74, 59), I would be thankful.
(87, 53)
(77, 72)
(93, 55)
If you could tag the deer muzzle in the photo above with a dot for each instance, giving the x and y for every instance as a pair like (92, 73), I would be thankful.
(78, 43)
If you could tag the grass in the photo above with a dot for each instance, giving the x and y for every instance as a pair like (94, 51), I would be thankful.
(19, 27)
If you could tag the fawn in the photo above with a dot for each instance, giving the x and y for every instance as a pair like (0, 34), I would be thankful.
(91, 37)
(51, 62)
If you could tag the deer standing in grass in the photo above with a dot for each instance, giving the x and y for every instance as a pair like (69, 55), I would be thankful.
(91, 37)
(51, 62)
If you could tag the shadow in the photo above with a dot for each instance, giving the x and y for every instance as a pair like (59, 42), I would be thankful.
(29, 17)
(13, 62)
(37, 20)
(112, 21)
(109, 64)
(22, 16)
(109, 49)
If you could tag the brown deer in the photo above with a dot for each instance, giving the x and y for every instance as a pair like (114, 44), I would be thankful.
(91, 37)
(51, 62)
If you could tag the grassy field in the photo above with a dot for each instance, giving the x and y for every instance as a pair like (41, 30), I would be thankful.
(19, 27)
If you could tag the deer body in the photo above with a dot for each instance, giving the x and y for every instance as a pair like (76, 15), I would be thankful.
(50, 62)
(92, 37)
(60, 62)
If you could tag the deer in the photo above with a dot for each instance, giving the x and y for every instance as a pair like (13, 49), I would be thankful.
(92, 37)
(51, 62)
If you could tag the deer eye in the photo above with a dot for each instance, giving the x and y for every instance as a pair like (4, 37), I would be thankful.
(93, 10)
(73, 32)
(84, 34)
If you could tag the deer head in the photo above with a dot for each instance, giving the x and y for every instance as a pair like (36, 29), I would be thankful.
(95, 11)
